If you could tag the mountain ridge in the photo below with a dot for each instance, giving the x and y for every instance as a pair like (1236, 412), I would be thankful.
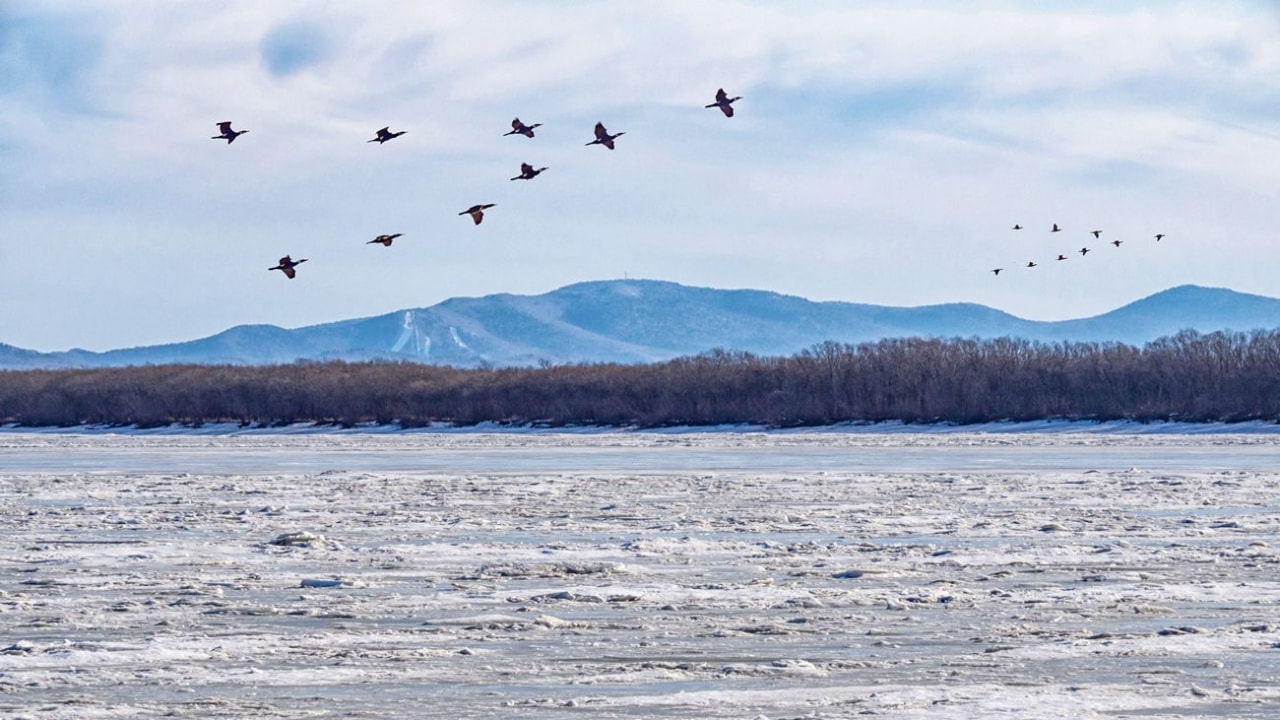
(637, 321)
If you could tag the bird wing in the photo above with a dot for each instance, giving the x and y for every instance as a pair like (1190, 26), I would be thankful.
(289, 272)
(608, 142)
(728, 110)
(601, 133)
(224, 127)
(721, 95)
(525, 168)
(516, 124)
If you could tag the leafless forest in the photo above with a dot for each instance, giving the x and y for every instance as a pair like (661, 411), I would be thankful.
(1187, 377)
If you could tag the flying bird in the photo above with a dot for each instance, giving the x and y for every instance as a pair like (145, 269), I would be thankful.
(1096, 234)
(1056, 228)
(1062, 257)
(1159, 237)
(287, 265)
(527, 172)
(1116, 242)
(477, 212)
(384, 240)
(996, 271)
(604, 138)
(519, 128)
(385, 134)
(1017, 227)
(1031, 264)
(1084, 251)
(227, 133)
(724, 102)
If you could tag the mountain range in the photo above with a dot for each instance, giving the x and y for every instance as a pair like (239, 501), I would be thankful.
(637, 321)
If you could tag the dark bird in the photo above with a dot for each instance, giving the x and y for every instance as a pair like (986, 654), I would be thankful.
(1017, 227)
(527, 172)
(476, 212)
(287, 265)
(1031, 264)
(227, 133)
(724, 102)
(1116, 242)
(1097, 233)
(1056, 228)
(519, 128)
(604, 138)
(1062, 257)
(1159, 237)
(384, 240)
(1084, 251)
(996, 271)
(385, 134)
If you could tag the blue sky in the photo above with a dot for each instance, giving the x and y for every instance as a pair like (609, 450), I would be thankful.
(880, 154)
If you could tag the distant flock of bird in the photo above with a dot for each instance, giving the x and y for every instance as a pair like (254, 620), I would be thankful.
(1097, 235)
(289, 266)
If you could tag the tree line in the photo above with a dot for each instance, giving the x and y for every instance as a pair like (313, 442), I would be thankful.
(1187, 377)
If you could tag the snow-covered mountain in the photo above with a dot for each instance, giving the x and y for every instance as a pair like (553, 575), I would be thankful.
(645, 320)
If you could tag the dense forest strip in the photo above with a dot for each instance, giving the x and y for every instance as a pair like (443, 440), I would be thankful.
(1188, 377)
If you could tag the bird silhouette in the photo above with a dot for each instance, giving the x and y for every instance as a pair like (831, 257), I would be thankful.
(1159, 237)
(1031, 264)
(384, 240)
(227, 133)
(1117, 242)
(1096, 234)
(527, 172)
(996, 271)
(287, 265)
(1056, 228)
(1062, 257)
(519, 128)
(1084, 251)
(385, 134)
(724, 102)
(477, 212)
(604, 138)
(1017, 227)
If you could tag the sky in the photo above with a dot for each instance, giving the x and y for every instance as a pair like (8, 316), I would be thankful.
(881, 153)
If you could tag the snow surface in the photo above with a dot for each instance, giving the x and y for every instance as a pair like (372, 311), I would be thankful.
(1050, 574)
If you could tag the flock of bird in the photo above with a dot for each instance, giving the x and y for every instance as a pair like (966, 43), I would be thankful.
(1097, 235)
(289, 266)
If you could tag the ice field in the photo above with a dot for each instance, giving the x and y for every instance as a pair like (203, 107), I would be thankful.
(1046, 573)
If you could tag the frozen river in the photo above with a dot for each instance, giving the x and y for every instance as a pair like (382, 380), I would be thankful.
(638, 575)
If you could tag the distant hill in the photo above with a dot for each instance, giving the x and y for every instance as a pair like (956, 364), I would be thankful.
(634, 321)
